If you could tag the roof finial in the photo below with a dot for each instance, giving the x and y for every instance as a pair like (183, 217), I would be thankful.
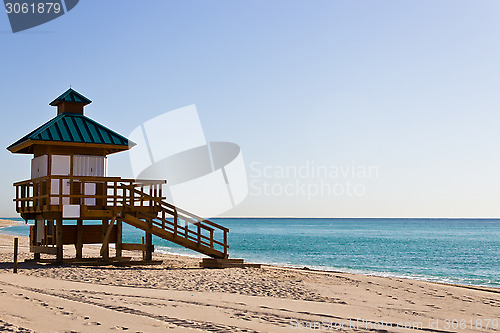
(71, 96)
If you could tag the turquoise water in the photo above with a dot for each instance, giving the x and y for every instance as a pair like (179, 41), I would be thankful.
(464, 251)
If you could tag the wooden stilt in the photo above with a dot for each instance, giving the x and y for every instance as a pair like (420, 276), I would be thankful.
(149, 243)
(225, 245)
(51, 233)
(59, 240)
(105, 241)
(35, 231)
(119, 240)
(105, 248)
(143, 250)
(79, 239)
(36, 256)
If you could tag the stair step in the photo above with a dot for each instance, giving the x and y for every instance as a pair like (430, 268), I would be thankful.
(226, 263)
(223, 261)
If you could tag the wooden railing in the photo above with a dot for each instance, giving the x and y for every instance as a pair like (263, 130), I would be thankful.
(51, 193)
(178, 221)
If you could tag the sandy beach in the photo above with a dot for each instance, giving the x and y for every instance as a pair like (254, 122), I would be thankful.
(178, 296)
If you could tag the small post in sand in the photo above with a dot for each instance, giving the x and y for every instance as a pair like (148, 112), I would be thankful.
(16, 243)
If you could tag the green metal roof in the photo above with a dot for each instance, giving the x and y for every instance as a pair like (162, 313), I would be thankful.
(74, 128)
(71, 96)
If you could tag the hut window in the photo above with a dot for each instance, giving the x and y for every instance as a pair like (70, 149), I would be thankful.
(39, 166)
(60, 165)
(85, 165)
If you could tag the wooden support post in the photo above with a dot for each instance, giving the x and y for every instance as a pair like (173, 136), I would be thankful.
(142, 199)
(17, 197)
(198, 233)
(119, 240)
(34, 242)
(16, 244)
(175, 225)
(225, 244)
(60, 194)
(105, 247)
(59, 241)
(105, 241)
(34, 235)
(35, 194)
(51, 231)
(149, 243)
(115, 194)
(143, 250)
(79, 239)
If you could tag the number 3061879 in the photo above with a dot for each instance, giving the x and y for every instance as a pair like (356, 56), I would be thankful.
(33, 8)
(484, 324)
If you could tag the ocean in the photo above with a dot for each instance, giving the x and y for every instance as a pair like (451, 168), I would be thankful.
(463, 251)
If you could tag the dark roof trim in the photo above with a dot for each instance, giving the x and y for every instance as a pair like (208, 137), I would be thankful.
(71, 96)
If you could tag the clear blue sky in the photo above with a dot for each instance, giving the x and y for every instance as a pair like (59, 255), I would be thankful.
(410, 87)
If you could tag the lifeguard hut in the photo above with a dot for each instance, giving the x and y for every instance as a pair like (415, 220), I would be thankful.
(69, 183)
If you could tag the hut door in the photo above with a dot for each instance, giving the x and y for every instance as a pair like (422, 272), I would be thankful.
(82, 188)
(76, 190)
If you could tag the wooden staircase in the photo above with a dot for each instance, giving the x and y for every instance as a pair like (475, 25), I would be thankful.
(157, 217)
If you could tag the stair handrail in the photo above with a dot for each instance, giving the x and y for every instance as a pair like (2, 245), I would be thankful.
(174, 208)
